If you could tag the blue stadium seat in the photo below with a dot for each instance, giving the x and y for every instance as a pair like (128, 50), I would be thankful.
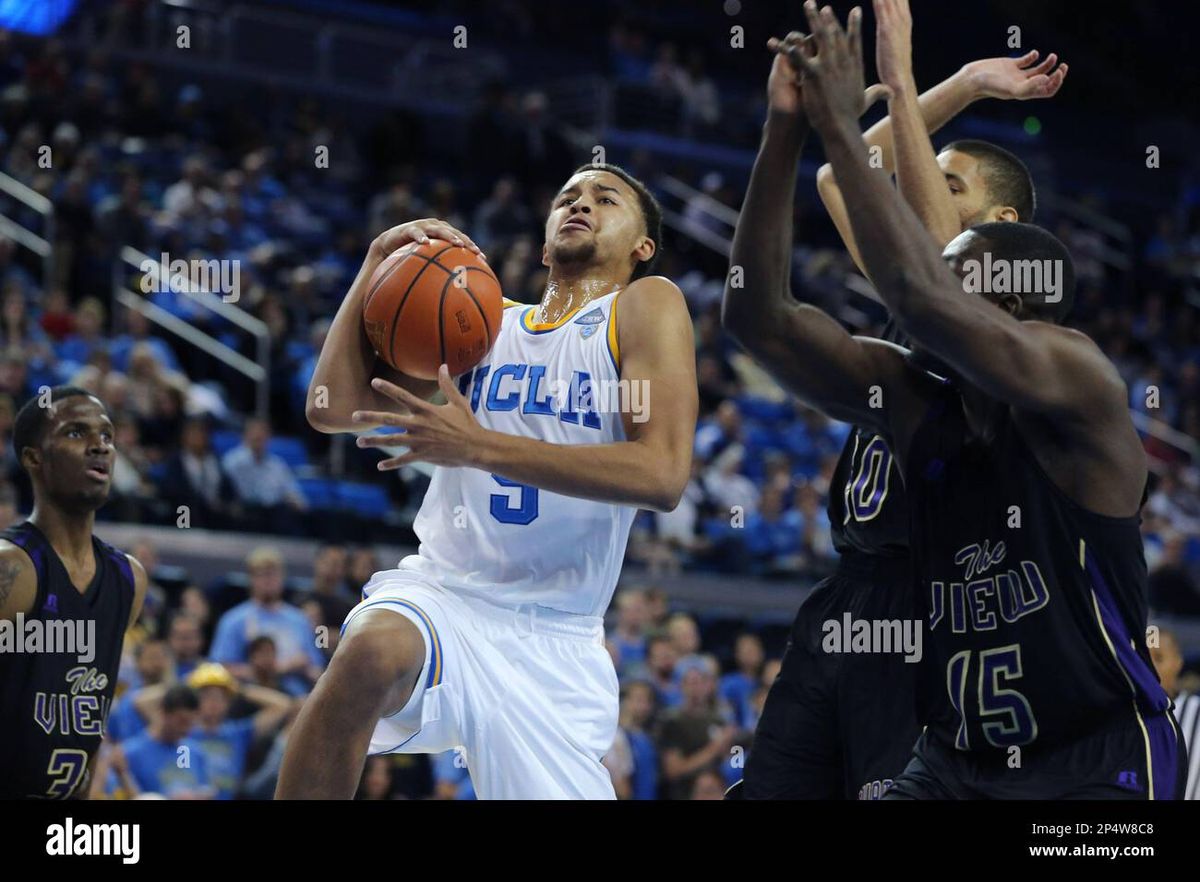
(363, 499)
(224, 440)
(290, 450)
(321, 493)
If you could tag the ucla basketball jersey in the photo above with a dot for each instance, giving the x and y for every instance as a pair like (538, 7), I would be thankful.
(511, 543)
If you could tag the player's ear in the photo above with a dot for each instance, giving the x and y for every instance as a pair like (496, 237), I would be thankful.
(645, 249)
(30, 457)
(1011, 303)
(545, 254)
(1005, 213)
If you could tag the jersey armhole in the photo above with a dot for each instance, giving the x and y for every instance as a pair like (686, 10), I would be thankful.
(614, 348)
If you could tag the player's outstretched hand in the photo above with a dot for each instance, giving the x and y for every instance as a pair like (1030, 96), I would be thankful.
(421, 231)
(1017, 79)
(442, 434)
(833, 75)
(783, 84)
(893, 44)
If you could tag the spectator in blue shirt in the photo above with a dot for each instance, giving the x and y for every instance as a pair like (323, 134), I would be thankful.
(724, 429)
(266, 613)
(185, 637)
(738, 687)
(661, 658)
(264, 482)
(89, 330)
(153, 666)
(164, 759)
(137, 330)
(635, 766)
(772, 535)
(227, 742)
(629, 636)
(451, 778)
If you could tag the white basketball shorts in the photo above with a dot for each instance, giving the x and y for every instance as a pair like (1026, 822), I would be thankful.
(527, 693)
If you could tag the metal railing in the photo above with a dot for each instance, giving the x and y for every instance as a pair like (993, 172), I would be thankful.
(258, 372)
(696, 215)
(301, 51)
(41, 245)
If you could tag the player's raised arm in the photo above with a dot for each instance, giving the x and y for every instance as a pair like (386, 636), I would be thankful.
(812, 355)
(1032, 365)
(1005, 78)
(920, 179)
(649, 470)
(341, 383)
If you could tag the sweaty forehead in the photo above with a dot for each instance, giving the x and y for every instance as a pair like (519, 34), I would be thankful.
(590, 179)
(78, 407)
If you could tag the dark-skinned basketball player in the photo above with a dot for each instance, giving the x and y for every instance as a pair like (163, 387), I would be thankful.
(842, 725)
(1024, 476)
(54, 704)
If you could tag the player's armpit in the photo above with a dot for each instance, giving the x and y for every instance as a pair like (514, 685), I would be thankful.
(656, 342)
(18, 582)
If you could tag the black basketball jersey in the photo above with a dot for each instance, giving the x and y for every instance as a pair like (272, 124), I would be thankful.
(53, 706)
(1036, 607)
(868, 513)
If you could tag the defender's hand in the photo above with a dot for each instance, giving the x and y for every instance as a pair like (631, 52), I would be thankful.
(1017, 79)
(893, 43)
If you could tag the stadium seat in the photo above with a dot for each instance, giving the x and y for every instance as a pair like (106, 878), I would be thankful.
(290, 450)
(369, 500)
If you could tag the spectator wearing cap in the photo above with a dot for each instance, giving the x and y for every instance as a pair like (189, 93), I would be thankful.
(694, 736)
(227, 743)
(265, 612)
(164, 759)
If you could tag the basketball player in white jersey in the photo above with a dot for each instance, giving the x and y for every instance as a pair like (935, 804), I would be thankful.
(490, 638)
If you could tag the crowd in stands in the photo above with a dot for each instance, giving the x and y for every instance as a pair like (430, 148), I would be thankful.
(137, 159)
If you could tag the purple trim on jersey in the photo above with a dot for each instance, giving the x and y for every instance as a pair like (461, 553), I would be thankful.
(1150, 696)
(122, 562)
(1149, 692)
(1164, 755)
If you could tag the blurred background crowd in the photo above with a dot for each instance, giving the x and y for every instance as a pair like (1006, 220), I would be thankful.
(137, 151)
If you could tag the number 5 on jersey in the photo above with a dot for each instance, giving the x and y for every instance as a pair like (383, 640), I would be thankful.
(502, 507)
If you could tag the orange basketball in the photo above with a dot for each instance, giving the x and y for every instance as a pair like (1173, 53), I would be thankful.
(432, 304)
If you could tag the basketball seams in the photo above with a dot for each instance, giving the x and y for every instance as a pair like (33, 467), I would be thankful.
(404, 299)
(487, 326)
